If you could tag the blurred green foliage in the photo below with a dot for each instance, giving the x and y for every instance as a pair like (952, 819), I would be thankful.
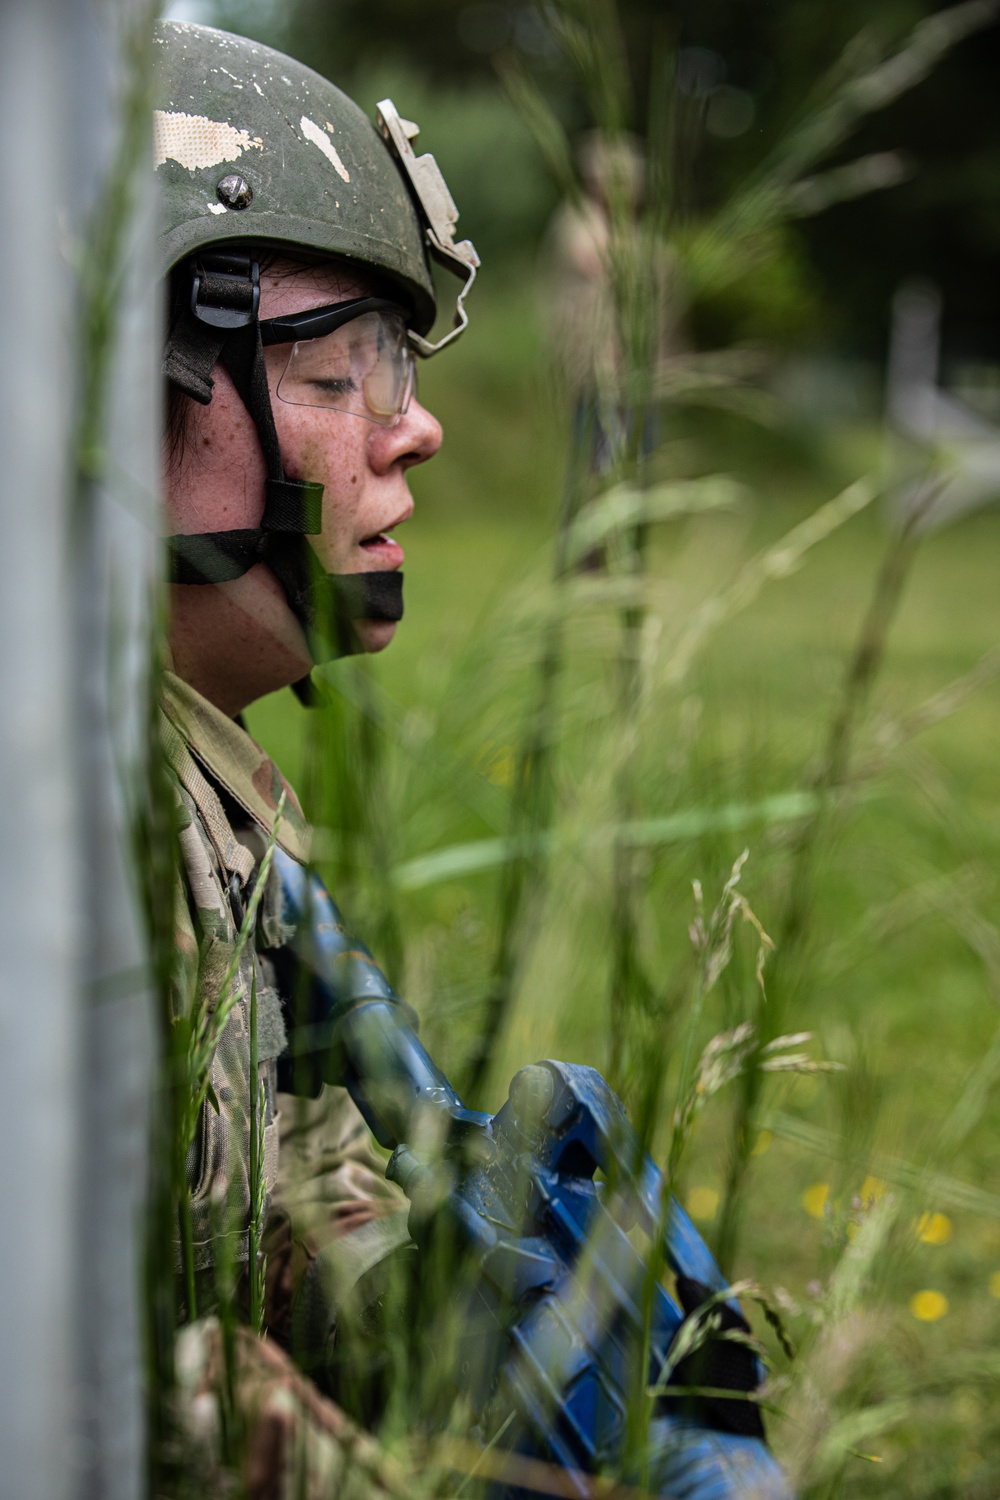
(900, 975)
(894, 965)
(835, 276)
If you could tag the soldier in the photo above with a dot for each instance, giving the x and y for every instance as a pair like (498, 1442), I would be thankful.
(296, 238)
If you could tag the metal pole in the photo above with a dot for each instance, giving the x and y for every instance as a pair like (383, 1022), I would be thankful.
(39, 916)
(77, 563)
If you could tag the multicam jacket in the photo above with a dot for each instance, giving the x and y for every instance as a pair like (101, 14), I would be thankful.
(331, 1179)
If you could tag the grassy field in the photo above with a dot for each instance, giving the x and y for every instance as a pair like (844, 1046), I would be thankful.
(897, 973)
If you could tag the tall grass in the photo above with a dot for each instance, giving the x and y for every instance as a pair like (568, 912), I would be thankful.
(584, 824)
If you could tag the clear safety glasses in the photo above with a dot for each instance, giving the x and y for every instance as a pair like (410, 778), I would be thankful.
(353, 357)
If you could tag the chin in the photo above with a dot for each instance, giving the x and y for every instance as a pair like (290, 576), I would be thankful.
(374, 635)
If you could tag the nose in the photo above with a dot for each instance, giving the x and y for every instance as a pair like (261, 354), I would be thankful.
(415, 438)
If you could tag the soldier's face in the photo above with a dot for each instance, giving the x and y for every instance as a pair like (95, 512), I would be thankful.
(238, 640)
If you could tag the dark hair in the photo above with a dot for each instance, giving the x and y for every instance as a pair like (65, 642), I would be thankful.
(178, 406)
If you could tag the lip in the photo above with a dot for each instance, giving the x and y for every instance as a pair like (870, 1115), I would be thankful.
(382, 546)
(384, 550)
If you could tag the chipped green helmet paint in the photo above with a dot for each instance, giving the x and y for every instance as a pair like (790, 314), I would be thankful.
(254, 147)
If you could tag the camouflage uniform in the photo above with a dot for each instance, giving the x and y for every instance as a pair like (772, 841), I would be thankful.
(254, 151)
(295, 1442)
(330, 1183)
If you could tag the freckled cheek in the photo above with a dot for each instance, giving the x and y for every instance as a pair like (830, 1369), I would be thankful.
(328, 448)
(320, 445)
(339, 536)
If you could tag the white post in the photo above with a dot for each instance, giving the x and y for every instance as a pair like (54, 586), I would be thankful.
(77, 563)
(39, 916)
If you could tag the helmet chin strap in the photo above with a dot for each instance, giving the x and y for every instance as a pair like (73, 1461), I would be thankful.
(221, 324)
(325, 604)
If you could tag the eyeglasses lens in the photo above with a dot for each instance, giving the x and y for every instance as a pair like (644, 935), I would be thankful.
(365, 367)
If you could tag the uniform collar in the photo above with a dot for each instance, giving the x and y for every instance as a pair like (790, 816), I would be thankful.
(236, 763)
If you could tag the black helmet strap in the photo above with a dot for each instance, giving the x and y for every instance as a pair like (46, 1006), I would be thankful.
(220, 322)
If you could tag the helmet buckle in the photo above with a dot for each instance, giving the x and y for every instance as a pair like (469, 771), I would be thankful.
(225, 289)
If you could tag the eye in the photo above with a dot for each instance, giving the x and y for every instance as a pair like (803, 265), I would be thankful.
(330, 387)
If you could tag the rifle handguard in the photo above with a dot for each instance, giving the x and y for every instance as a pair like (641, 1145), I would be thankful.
(346, 1024)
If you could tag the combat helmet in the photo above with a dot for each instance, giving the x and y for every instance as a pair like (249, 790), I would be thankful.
(255, 151)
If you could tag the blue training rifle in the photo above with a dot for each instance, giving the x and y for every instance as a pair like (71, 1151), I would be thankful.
(566, 1309)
